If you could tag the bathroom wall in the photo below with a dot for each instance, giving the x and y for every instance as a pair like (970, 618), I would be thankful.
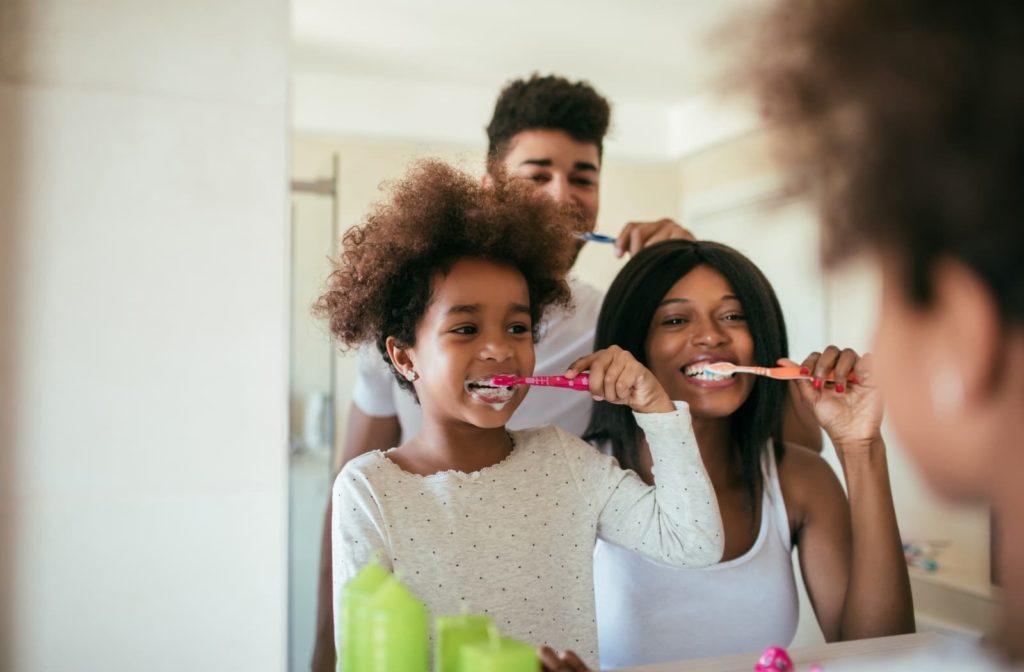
(143, 322)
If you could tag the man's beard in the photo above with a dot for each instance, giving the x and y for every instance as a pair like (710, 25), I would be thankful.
(580, 224)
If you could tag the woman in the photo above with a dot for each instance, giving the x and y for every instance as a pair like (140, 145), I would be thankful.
(677, 306)
(908, 123)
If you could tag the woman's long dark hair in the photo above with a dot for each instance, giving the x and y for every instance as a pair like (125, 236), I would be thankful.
(625, 319)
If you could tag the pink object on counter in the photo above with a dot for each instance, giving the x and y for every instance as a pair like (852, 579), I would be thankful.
(774, 659)
(580, 382)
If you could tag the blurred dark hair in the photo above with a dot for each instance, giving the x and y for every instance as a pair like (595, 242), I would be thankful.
(906, 120)
(625, 320)
(549, 102)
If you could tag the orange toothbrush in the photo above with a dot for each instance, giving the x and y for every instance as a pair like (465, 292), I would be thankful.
(723, 369)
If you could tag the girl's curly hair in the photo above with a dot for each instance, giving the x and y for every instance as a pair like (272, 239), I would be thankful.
(436, 215)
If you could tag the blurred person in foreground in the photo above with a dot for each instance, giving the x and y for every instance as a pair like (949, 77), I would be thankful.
(904, 121)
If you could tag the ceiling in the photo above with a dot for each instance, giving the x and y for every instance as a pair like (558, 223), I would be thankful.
(650, 53)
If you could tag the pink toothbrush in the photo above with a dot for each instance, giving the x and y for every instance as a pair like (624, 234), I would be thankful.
(723, 369)
(580, 382)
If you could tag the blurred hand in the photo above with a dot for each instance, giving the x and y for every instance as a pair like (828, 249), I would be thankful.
(567, 661)
(616, 377)
(635, 236)
(849, 412)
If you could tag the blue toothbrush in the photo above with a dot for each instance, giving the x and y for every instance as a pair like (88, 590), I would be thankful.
(592, 237)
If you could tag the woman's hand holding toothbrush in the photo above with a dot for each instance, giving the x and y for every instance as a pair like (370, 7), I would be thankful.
(616, 377)
(851, 415)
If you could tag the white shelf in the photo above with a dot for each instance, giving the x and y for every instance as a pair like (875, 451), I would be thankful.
(955, 598)
(955, 579)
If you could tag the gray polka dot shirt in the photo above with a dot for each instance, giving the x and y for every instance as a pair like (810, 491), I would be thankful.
(516, 540)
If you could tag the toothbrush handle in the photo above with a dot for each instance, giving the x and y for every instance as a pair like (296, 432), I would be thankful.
(793, 373)
(580, 382)
(756, 370)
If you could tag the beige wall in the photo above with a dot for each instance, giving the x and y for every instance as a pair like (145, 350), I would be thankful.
(143, 257)
(727, 164)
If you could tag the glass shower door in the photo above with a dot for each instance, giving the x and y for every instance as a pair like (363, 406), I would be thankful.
(311, 397)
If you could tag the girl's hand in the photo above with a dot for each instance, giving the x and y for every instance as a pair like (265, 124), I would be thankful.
(616, 377)
(851, 413)
(567, 661)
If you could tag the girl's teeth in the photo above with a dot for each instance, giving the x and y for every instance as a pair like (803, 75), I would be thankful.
(483, 391)
(486, 385)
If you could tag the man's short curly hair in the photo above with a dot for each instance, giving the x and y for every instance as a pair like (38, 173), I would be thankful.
(436, 215)
(906, 120)
(549, 102)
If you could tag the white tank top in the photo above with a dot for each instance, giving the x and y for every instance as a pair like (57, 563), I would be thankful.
(649, 613)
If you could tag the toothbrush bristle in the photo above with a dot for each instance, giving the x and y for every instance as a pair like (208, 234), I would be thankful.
(712, 371)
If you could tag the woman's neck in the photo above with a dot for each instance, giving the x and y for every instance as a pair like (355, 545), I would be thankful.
(1009, 512)
(1004, 429)
(446, 444)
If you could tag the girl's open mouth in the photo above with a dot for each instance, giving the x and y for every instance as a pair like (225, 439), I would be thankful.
(483, 391)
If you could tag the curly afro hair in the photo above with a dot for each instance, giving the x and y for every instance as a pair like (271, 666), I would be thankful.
(549, 102)
(906, 121)
(436, 215)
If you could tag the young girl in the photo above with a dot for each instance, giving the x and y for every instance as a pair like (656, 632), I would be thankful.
(680, 305)
(450, 281)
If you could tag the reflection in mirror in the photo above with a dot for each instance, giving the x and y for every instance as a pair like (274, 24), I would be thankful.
(313, 232)
(314, 229)
(378, 85)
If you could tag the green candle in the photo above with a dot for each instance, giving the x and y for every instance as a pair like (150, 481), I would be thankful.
(398, 631)
(500, 654)
(355, 639)
(454, 632)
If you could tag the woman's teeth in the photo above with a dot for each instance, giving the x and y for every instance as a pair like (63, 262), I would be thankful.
(701, 372)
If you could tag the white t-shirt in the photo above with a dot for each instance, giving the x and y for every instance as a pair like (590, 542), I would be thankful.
(564, 337)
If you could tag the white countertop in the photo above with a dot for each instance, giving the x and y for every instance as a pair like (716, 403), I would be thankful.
(802, 657)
